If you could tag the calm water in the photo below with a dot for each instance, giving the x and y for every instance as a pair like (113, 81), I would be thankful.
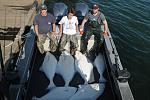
(129, 22)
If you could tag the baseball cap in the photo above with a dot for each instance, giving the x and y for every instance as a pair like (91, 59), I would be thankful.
(43, 7)
(95, 6)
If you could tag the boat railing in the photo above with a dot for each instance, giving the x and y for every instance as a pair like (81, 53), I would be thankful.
(22, 67)
(121, 74)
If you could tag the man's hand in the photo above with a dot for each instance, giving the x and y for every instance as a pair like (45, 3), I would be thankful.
(81, 30)
(105, 34)
(38, 37)
(60, 33)
(51, 34)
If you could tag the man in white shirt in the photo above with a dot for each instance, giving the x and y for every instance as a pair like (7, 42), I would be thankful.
(69, 28)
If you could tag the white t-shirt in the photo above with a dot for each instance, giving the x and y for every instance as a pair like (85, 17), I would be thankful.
(69, 26)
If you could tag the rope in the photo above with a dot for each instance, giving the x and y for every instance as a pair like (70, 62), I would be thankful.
(9, 44)
(24, 36)
(19, 37)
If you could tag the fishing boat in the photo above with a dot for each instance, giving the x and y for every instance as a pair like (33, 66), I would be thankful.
(60, 76)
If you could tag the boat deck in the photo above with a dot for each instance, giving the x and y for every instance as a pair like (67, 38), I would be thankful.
(38, 81)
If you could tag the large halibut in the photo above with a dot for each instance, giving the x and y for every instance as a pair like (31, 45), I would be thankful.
(89, 92)
(49, 67)
(65, 67)
(83, 66)
(99, 64)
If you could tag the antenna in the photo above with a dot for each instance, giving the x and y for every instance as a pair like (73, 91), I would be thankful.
(1, 61)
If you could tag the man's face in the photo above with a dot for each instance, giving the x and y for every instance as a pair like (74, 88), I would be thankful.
(70, 15)
(95, 10)
(44, 11)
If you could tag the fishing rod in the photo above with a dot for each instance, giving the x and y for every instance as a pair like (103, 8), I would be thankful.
(1, 62)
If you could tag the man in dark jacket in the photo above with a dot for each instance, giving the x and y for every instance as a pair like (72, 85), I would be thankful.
(94, 20)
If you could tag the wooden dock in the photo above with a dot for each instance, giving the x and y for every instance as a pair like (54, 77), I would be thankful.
(15, 15)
